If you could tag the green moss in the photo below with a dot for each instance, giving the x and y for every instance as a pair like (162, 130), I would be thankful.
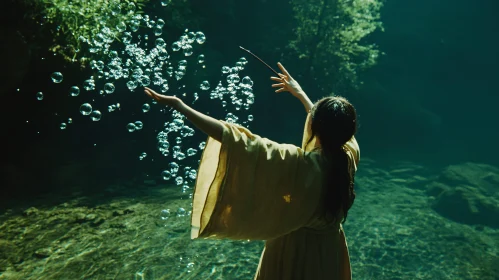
(330, 34)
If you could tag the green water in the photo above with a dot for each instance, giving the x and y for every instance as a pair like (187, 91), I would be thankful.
(97, 179)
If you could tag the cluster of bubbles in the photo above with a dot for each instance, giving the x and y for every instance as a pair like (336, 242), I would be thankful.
(144, 61)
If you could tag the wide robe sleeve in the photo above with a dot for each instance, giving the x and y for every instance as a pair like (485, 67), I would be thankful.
(249, 187)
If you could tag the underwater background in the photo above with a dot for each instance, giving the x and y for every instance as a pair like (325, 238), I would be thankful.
(96, 180)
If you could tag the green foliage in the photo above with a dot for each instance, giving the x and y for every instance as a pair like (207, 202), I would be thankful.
(73, 22)
(329, 38)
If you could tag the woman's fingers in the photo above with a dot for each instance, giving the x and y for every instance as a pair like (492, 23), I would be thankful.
(278, 85)
(276, 79)
(280, 90)
(283, 69)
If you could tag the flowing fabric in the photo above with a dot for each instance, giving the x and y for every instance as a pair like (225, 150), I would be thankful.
(251, 188)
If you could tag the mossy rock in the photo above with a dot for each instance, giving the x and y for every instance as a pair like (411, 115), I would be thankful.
(9, 254)
(467, 193)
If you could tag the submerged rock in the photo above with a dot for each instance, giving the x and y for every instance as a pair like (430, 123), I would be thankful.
(467, 193)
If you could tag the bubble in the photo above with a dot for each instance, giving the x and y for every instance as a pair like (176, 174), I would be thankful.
(74, 91)
(165, 3)
(178, 140)
(158, 30)
(139, 125)
(164, 87)
(202, 145)
(250, 118)
(145, 80)
(247, 81)
(134, 25)
(70, 120)
(39, 95)
(142, 156)
(146, 107)
(130, 127)
(176, 46)
(166, 175)
(113, 54)
(121, 27)
(56, 77)
(165, 214)
(131, 85)
(86, 109)
(233, 79)
(188, 50)
(191, 152)
(201, 58)
(109, 88)
(180, 156)
(225, 69)
(205, 85)
(192, 174)
(96, 115)
(160, 43)
(224, 103)
(180, 211)
(161, 23)
(200, 38)
(131, 7)
(63, 126)
(89, 85)
(173, 167)
(127, 38)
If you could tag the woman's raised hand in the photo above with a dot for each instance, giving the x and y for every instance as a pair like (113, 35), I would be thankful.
(170, 101)
(287, 83)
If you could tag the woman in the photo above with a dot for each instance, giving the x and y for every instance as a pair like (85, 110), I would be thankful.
(249, 187)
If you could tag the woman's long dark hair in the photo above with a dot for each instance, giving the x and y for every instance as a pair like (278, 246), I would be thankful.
(334, 122)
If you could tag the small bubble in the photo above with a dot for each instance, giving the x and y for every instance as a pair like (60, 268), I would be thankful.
(191, 152)
(173, 167)
(200, 38)
(39, 95)
(142, 156)
(86, 109)
(130, 127)
(89, 85)
(158, 30)
(146, 107)
(202, 145)
(131, 85)
(205, 85)
(96, 115)
(166, 175)
(70, 120)
(139, 125)
(188, 50)
(74, 91)
(176, 46)
(165, 214)
(109, 88)
(250, 118)
(63, 126)
(180, 211)
(56, 77)
(201, 58)
(121, 27)
(192, 174)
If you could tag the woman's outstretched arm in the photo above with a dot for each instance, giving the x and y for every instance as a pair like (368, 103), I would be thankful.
(287, 83)
(213, 127)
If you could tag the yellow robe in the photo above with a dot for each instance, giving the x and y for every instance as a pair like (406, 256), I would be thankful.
(251, 188)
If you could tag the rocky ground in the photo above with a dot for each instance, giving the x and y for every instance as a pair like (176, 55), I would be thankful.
(407, 222)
